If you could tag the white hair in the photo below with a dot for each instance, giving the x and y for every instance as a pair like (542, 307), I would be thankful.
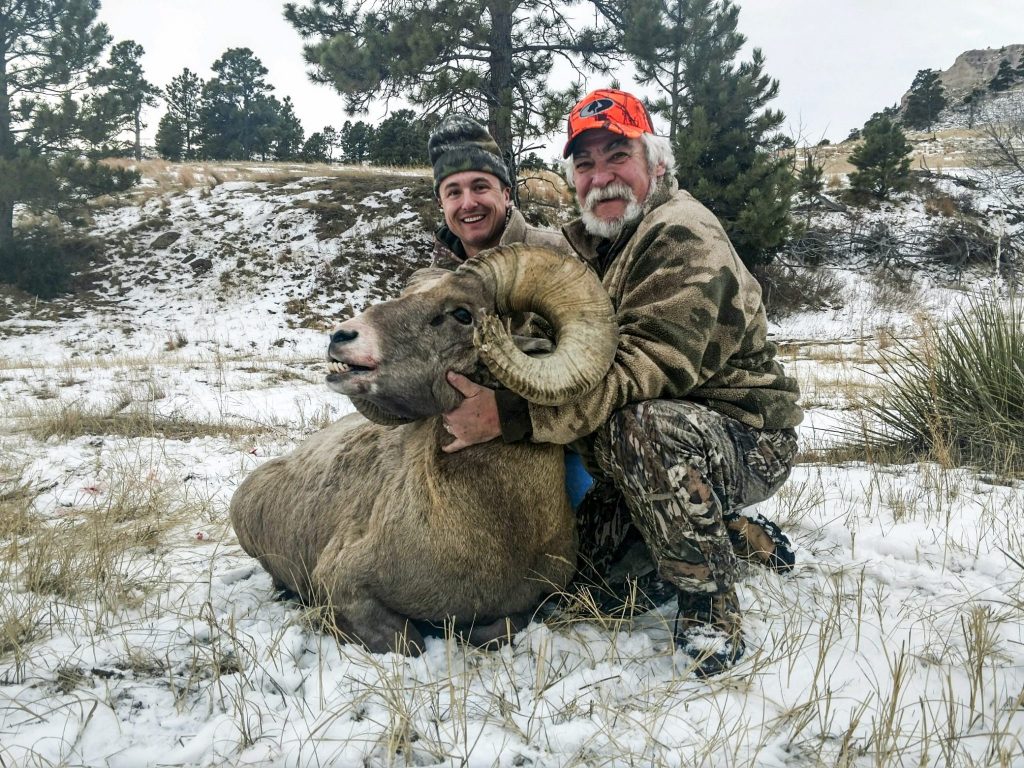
(657, 149)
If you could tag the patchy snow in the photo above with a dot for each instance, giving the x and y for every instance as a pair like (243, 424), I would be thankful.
(897, 640)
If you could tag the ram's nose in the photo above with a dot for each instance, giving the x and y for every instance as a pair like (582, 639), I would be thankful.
(343, 335)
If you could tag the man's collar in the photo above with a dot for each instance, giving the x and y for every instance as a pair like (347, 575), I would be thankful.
(448, 239)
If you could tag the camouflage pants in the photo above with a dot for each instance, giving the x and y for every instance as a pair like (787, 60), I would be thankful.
(681, 469)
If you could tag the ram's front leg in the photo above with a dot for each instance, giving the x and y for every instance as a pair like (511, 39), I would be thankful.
(342, 588)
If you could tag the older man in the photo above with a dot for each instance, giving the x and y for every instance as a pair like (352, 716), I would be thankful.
(695, 419)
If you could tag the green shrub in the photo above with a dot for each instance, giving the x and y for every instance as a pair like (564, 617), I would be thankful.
(787, 290)
(46, 261)
(958, 395)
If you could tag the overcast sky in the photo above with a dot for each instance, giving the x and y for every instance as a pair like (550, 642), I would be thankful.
(837, 61)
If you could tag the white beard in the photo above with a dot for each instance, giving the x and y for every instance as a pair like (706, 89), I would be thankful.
(610, 229)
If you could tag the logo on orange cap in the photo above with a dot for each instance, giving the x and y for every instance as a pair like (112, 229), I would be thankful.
(616, 111)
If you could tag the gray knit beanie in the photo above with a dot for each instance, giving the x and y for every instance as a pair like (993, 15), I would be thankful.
(460, 143)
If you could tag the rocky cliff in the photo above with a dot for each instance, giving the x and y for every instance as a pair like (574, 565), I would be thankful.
(973, 69)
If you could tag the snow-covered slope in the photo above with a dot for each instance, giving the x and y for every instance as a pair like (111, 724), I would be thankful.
(135, 632)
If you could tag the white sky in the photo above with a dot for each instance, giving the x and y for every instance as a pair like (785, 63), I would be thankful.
(837, 61)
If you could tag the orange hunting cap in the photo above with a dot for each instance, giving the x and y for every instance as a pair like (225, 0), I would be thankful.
(618, 111)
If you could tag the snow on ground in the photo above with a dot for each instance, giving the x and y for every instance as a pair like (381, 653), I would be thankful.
(135, 632)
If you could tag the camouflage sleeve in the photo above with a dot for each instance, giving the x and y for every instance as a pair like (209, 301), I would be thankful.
(679, 313)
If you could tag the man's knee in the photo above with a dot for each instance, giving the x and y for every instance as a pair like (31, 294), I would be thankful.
(679, 425)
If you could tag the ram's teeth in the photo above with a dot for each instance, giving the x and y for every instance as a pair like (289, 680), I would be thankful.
(336, 367)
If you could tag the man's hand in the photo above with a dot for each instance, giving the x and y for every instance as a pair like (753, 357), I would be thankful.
(475, 420)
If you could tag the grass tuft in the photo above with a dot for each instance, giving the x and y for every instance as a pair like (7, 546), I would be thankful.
(958, 396)
(70, 420)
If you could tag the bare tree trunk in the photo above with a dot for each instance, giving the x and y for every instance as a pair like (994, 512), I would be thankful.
(6, 225)
(6, 154)
(138, 135)
(502, 12)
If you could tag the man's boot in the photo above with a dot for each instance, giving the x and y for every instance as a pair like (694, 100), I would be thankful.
(708, 630)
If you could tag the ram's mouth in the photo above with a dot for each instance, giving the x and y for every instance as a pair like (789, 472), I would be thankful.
(337, 366)
(351, 378)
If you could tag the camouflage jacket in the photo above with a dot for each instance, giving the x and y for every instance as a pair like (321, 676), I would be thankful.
(449, 253)
(691, 322)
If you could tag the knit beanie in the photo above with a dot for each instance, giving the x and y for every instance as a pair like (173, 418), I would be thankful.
(460, 143)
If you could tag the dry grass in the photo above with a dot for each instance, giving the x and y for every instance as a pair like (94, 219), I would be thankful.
(99, 572)
(68, 421)
(116, 570)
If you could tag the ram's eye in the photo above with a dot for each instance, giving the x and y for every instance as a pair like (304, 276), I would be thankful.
(463, 315)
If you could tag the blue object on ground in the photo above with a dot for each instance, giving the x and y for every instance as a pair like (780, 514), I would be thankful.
(577, 479)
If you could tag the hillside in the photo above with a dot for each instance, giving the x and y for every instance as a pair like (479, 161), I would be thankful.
(975, 68)
(135, 632)
(973, 71)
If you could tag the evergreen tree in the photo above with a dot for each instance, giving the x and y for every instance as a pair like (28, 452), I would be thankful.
(1003, 78)
(1019, 71)
(400, 139)
(239, 114)
(725, 140)
(927, 98)
(810, 182)
(659, 35)
(332, 140)
(533, 162)
(288, 132)
(177, 135)
(47, 50)
(316, 149)
(973, 102)
(355, 140)
(479, 57)
(882, 161)
(123, 93)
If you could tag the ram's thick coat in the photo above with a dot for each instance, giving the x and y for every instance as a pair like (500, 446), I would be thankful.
(374, 520)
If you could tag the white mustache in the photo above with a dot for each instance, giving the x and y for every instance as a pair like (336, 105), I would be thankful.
(612, 191)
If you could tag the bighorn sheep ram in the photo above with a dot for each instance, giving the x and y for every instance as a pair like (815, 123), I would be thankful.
(381, 525)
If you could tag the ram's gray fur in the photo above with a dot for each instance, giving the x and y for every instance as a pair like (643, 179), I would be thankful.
(381, 525)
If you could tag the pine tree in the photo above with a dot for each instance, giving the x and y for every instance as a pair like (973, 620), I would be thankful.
(288, 132)
(316, 149)
(882, 161)
(973, 102)
(479, 57)
(47, 50)
(122, 94)
(355, 141)
(810, 182)
(332, 141)
(177, 135)
(725, 140)
(659, 35)
(239, 114)
(927, 98)
(1003, 78)
(400, 139)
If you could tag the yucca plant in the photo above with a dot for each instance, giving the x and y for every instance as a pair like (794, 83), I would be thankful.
(957, 396)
